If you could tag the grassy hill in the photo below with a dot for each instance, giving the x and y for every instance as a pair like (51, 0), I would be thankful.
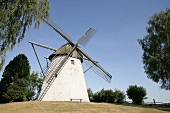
(73, 107)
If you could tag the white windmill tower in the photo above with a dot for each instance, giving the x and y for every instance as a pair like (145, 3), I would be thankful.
(64, 79)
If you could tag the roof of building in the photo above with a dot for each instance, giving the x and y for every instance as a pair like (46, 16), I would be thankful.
(63, 51)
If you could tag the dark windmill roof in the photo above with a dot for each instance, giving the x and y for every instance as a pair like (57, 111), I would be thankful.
(63, 51)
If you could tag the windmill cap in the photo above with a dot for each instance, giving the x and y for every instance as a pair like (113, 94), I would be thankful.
(63, 51)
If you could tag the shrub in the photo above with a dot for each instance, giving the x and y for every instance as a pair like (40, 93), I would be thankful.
(109, 96)
(137, 94)
(119, 96)
(90, 94)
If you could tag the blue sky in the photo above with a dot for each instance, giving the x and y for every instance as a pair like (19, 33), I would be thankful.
(119, 23)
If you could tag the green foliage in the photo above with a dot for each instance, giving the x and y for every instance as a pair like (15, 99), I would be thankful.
(103, 96)
(90, 94)
(17, 83)
(156, 47)
(15, 79)
(34, 86)
(137, 94)
(16, 16)
(109, 96)
(119, 96)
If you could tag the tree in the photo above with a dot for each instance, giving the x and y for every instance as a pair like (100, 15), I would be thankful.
(16, 16)
(156, 47)
(137, 94)
(90, 94)
(34, 86)
(104, 96)
(108, 96)
(119, 96)
(15, 79)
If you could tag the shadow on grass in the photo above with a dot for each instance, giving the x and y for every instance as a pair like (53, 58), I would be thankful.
(146, 106)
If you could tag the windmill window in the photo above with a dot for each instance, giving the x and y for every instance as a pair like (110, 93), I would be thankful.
(72, 61)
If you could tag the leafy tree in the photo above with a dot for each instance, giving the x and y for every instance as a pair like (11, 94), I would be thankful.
(95, 97)
(137, 94)
(34, 86)
(156, 47)
(99, 96)
(119, 96)
(104, 96)
(90, 94)
(16, 16)
(15, 79)
(108, 96)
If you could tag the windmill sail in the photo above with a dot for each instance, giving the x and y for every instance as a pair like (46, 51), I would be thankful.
(59, 30)
(98, 71)
(97, 68)
(86, 37)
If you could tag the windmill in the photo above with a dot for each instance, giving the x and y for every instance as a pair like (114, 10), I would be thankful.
(64, 78)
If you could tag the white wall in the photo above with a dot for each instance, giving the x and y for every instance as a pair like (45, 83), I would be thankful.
(69, 84)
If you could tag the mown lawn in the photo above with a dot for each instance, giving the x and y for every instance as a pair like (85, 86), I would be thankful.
(73, 107)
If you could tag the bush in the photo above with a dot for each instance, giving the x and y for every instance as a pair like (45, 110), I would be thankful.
(109, 96)
(104, 96)
(90, 94)
(137, 94)
(119, 96)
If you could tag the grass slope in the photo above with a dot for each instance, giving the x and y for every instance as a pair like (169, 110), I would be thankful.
(72, 107)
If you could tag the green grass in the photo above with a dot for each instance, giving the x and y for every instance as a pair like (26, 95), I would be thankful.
(73, 107)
